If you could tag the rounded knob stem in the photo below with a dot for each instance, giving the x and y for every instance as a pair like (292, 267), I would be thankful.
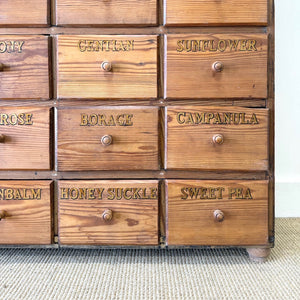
(106, 66)
(218, 139)
(2, 214)
(1, 67)
(2, 138)
(106, 140)
(219, 215)
(217, 66)
(107, 215)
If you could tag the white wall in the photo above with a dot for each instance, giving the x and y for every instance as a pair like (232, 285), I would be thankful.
(287, 109)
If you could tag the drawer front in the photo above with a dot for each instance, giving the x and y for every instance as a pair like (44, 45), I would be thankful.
(216, 66)
(108, 138)
(25, 211)
(16, 12)
(107, 67)
(217, 138)
(217, 212)
(24, 67)
(207, 12)
(115, 212)
(24, 138)
(95, 12)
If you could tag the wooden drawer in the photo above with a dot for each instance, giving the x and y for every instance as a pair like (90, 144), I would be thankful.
(217, 212)
(217, 138)
(95, 12)
(216, 66)
(112, 212)
(107, 67)
(25, 210)
(207, 12)
(24, 67)
(24, 13)
(107, 138)
(24, 138)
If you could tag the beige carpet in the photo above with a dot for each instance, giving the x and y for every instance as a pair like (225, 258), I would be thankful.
(152, 274)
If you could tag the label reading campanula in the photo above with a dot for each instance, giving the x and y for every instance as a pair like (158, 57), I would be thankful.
(20, 193)
(105, 45)
(216, 118)
(11, 46)
(16, 119)
(217, 45)
(108, 193)
(221, 192)
(106, 120)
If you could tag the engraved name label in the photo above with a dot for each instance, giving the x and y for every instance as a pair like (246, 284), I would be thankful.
(11, 46)
(105, 45)
(16, 119)
(216, 45)
(101, 193)
(216, 118)
(106, 120)
(196, 193)
(20, 194)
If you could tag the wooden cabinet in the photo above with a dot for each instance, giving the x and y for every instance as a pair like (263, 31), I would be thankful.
(25, 138)
(153, 119)
(112, 212)
(107, 67)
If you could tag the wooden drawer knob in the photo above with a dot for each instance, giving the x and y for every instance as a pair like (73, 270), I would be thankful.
(219, 215)
(106, 66)
(2, 138)
(218, 139)
(106, 140)
(217, 66)
(2, 214)
(1, 67)
(107, 215)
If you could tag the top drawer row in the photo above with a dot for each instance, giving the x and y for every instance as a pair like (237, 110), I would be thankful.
(133, 12)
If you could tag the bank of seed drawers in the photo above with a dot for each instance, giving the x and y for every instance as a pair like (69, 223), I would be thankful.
(207, 99)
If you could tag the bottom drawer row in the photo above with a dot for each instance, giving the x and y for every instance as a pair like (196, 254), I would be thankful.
(135, 212)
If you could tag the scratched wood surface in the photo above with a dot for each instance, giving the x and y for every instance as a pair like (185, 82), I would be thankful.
(224, 12)
(133, 147)
(189, 74)
(25, 221)
(24, 12)
(25, 74)
(191, 146)
(134, 221)
(25, 143)
(95, 12)
(191, 220)
(133, 74)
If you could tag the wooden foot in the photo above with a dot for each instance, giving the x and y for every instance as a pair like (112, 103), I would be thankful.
(258, 255)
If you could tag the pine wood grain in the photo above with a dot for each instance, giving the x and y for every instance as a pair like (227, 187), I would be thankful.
(26, 74)
(24, 12)
(107, 12)
(26, 144)
(134, 221)
(191, 146)
(191, 221)
(220, 12)
(26, 221)
(134, 147)
(133, 75)
(190, 75)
